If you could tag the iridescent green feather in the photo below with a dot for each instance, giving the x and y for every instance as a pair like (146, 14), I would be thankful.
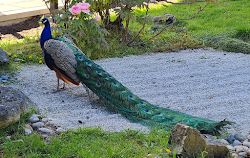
(120, 99)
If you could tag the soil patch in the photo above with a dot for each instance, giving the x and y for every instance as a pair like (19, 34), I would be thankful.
(29, 27)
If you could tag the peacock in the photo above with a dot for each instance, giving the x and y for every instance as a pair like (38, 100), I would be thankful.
(72, 66)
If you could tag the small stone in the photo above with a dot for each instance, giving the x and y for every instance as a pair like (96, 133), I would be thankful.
(244, 154)
(248, 152)
(37, 124)
(230, 147)
(234, 155)
(60, 130)
(33, 119)
(223, 141)
(246, 143)
(12, 79)
(15, 74)
(44, 119)
(231, 139)
(36, 115)
(5, 77)
(240, 148)
(239, 137)
(236, 142)
(4, 81)
(45, 130)
(8, 137)
(27, 131)
(28, 127)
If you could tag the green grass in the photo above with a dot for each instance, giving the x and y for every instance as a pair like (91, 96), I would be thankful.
(228, 19)
(26, 50)
(89, 142)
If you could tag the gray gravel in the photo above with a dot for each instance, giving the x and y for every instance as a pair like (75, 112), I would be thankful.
(203, 83)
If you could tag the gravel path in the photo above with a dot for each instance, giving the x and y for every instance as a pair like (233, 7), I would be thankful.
(204, 83)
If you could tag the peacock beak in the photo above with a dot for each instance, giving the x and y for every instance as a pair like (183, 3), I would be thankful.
(40, 22)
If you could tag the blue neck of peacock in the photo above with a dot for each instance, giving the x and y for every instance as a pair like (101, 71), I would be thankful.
(46, 35)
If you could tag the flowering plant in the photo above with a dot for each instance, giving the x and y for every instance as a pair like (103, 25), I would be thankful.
(78, 22)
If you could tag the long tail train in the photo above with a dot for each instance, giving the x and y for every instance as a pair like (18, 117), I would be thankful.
(120, 99)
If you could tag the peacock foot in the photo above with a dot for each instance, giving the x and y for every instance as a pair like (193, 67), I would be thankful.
(58, 89)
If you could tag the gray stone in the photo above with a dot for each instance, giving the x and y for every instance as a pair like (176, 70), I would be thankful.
(44, 119)
(239, 137)
(230, 147)
(223, 141)
(240, 148)
(231, 139)
(12, 79)
(248, 152)
(37, 124)
(13, 104)
(27, 131)
(28, 126)
(4, 81)
(4, 77)
(188, 142)
(164, 19)
(244, 154)
(246, 143)
(33, 119)
(214, 147)
(36, 115)
(60, 130)
(234, 155)
(45, 130)
(3, 56)
(8, 137)
(236, 142)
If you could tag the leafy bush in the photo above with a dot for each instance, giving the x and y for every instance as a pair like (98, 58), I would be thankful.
(82, 27)
(227, 44)
(243, 33)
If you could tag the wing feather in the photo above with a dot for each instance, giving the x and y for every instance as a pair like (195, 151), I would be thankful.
(63, 57)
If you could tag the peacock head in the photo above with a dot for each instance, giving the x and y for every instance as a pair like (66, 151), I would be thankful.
(45, 21)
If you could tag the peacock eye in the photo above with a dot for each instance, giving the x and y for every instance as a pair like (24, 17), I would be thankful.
(98, 84)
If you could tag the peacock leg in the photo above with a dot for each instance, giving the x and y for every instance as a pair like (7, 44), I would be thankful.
(58, 86)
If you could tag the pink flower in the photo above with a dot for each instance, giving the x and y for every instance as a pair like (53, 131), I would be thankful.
(75, 10)
(97, 18)
(83, 6)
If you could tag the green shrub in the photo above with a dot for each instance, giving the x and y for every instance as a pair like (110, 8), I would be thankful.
(227, 44)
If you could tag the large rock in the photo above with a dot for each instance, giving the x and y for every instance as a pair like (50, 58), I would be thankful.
(3, 56)
(164, 19)
(188, 142)
(13, 104)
